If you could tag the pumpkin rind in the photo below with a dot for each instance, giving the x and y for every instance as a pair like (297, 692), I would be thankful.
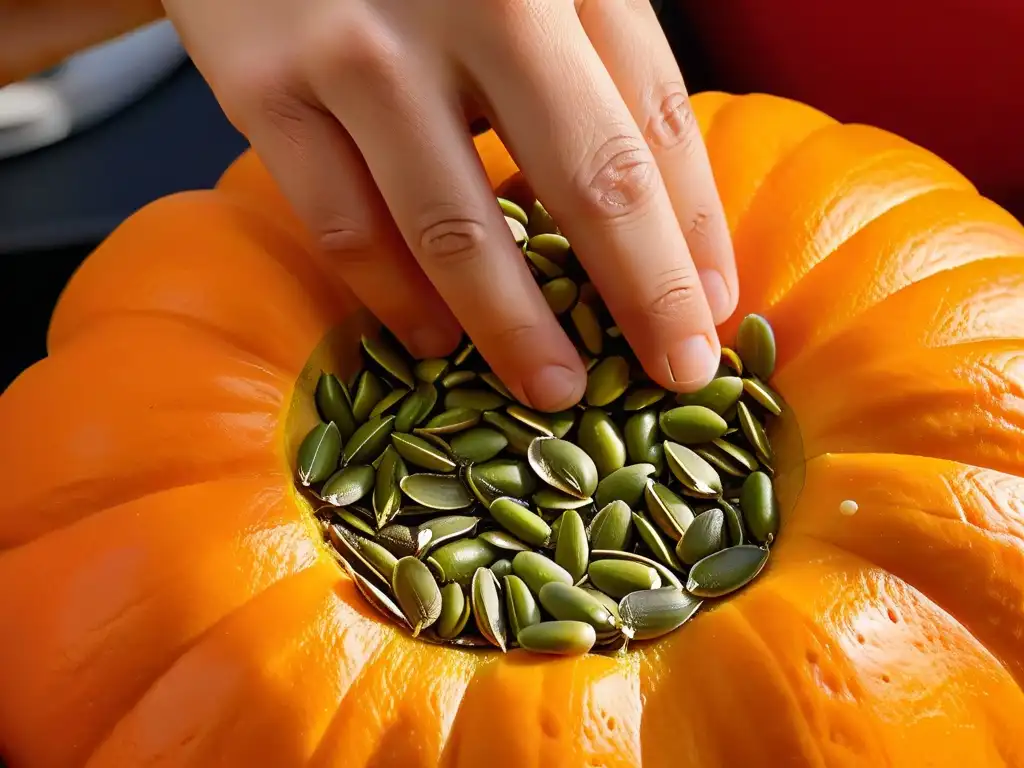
(174, 604)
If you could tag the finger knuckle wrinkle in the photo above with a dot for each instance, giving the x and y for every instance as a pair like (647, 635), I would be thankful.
(620, 179)
(451, 239)
(345, 239)
(672, 123)
(673, 294)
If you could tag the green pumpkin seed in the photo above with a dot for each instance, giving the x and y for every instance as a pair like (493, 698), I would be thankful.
(743, 458)
(697, 477)
(377, 556)
(567, 603)
(369, 441)
(520, 521)
(584, 318)
(560, 294)
(733, 523)
(368, 392)
(650, 536)
(755, 342)
(520, 605)
(418, 452)
(505, 540)
(641, 438)
(504, 477)
(564, 638)
(731, 362)
(602, 441)
(754, 433)
(387, 496)
(501, 568)
(612, 527)
(455, 611)
(416, 593)
(550, 499)
(537, 570)
(355, 522)
(348, 485)
(319, 453)
(721, 461)
(563, 465)
(459, 559)
(444, 492)
(626, 484)
(431, 370)
(416, 407)
(553, 246)
(561, 422)
(518, 231)
(448, 528)
(333, 405)
(719, 396)
(387, 403)
(726, 571)
(764, 395)
(487, 609)
(617, 578)
(541, 223)
(346, 545)
(451, 422)
(656, 612)
(518, 436)
(610, 604)
(391, 361)
(403, 540)
(644, 397)
(759, 507)
(692, 424)
(457, 379)
(667, 576)
(375, 596)
(538, 422)
(572, 550)
(496, 384)
(464, 354)
(480, 444)
(705, 536)
(476, 399)
(607, 381)
(513, 211)
(544, 266)
(668, 510)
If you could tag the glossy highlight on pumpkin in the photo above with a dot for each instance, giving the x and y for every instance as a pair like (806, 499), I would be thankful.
(173, 605)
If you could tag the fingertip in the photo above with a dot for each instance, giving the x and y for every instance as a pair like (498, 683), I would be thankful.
(433, 340)
(692, 362)
(554, 387)
(721, 299)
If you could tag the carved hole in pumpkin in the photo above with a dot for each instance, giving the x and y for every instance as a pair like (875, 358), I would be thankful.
(611, 723)
(893, 617)
(886, 679)
(549, 724)
(860, 639)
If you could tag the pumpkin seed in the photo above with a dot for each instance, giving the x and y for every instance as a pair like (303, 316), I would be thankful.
(518, 436)
(656, 612)
(502, 568)
(560, 294)
(644, 397)
(726, 571)
(705, 536)
(561, 422)
(719, 396)
(518, 231)
(416, 593)
(319, 453)
(650, 536)
(697, 477)
(572, 550)
(455, 611)
(448, 528)
(520, 521)
(476, 399)
(445, 492)
(755, 343)
(537, 570)
(369, 441)
(617, 578)
(612, 527)
(520, 605)
(668, 510)
(763, 395)
(552, 246)
(450, 422)
(607, 381)
(404, 540)
(584, 318)
(478, 445)
(333, 404)
(759, 507)
(692, 424)
(538, 422)
(602, 441)
(569, 638)
(641, 437)
(496, 384)
(667, 576)
(505, 477)
(541, 223)
(416, 407)
(459, 559)
(368, 392)
(563, 465)
(567, 603)
(354, 521)
(731, 362)
(391, 361)
(743, 458)
(611, 605)
(387, 403)
(544, 266)
(431, 369)
(549, 498)
(487, 608)
(457, 379)
(721, 461)
(733, 522)
(387, 496)
(626, 484)
(348, 485)
(377, 568)
(418, 452)
(513, 211)
(754, 433)
(464, 354)
(375, 596)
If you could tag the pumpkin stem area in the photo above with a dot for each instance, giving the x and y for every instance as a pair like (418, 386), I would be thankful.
(470, 520)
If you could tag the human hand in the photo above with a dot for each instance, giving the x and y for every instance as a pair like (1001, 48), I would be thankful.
(359, 109)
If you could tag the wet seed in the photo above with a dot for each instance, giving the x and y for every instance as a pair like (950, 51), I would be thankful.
(538, 422)
(404, 540)
(552, 246)
(451, 422)
(387, 495)
(448, 528)
(513, 211)
(550, 499)
(544, 266)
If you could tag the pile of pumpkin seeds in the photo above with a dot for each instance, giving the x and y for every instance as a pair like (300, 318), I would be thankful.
(472, 520)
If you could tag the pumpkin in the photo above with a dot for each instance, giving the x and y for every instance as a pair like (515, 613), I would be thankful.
(167, 598)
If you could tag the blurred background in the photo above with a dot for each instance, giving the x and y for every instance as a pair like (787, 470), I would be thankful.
(143, 124)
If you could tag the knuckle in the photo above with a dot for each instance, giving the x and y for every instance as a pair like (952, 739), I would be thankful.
(674, 295)
(354, 48)
(672, 124)
(261, 88)
(450, 239)
(620, 178)
(344, 239)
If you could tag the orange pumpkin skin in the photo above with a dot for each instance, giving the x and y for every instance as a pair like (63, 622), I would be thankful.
(167, 601)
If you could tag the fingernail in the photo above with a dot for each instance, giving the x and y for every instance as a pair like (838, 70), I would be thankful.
(717, 293)
(431, 342)
(692, 363)
(553, 388)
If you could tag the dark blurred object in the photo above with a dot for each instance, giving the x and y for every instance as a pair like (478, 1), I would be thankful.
(948, 75)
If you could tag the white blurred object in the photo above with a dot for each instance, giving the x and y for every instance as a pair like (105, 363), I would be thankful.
(86, 88)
